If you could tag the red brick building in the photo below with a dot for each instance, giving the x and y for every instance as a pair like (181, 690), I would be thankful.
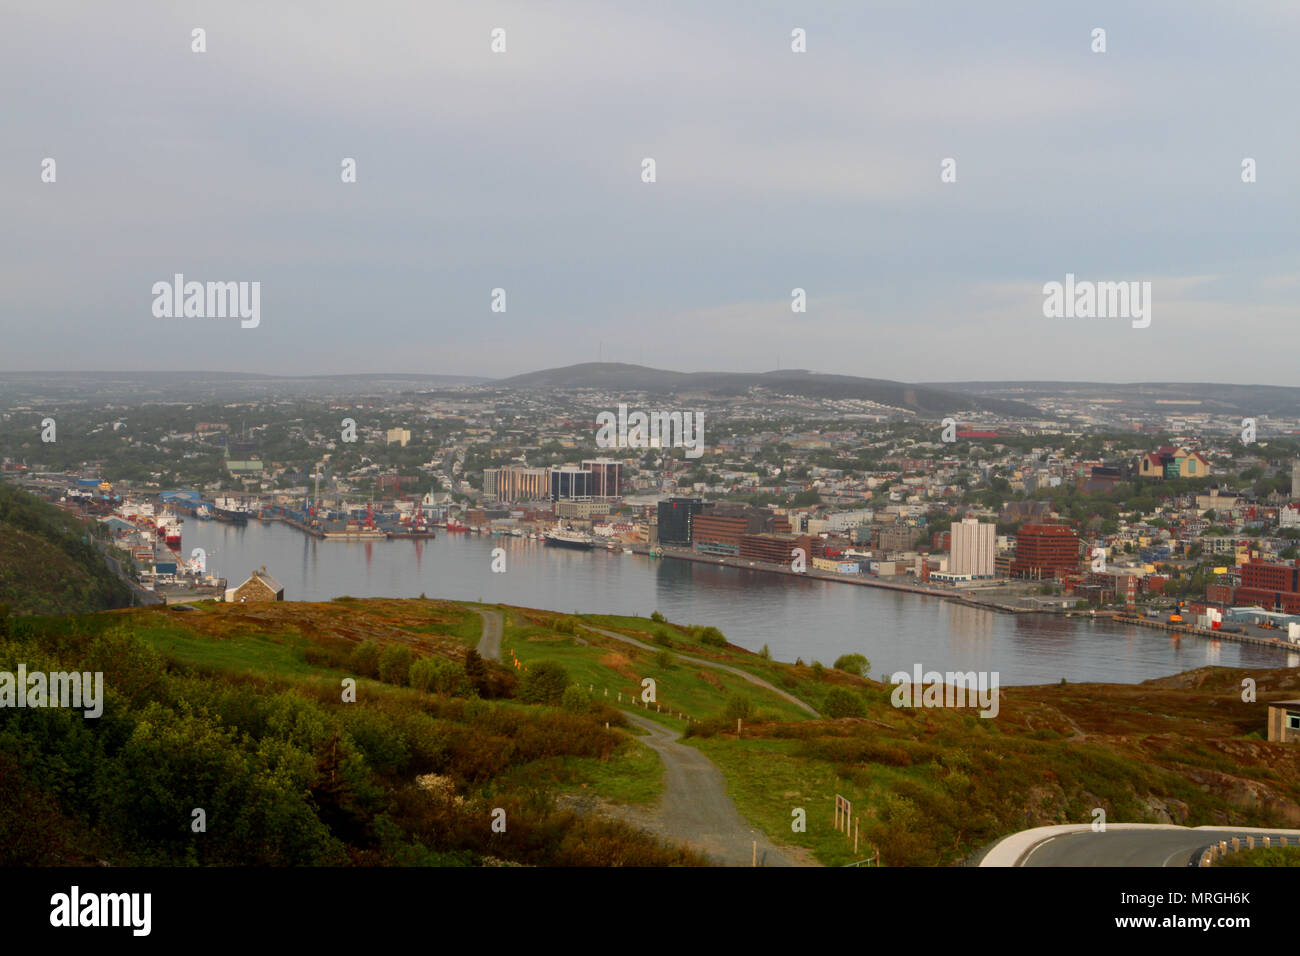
(1045, 551)
(1271, 586)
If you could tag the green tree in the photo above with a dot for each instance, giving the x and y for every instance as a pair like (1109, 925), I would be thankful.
(712, 637)
(575, 699)
(739, 707)
(395, 665)
(855, 664)
(544, 683)
(840, 702)
(476, 670)
(365, 659)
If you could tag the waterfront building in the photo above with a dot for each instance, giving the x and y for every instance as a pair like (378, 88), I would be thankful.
(570, 484)
(516, 483)
(973, 546)
(606, 476)
(1045, 551)
(676, 519)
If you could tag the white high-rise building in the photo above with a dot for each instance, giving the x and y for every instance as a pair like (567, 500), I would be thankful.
(972, 548)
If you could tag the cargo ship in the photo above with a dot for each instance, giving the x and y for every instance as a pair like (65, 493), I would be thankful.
(564, 538)
(230, 511)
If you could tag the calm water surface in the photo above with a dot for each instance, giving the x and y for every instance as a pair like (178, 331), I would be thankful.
(795, 618)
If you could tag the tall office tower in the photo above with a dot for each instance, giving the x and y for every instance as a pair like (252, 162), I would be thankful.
(973, 545)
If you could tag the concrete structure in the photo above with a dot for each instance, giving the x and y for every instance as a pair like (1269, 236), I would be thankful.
(1284, 721)
(516, 483)
(398, 436)
(973, 546)
(259, 587)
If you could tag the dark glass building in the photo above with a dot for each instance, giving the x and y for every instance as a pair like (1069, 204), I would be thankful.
(677, 518)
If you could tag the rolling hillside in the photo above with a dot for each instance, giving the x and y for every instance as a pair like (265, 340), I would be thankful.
(48, 565)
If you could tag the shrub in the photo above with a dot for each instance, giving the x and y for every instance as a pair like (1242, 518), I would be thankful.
(765, 653)
(476, 670)
(441, 676)
(658, 618)
(739, 707)
(575, 699)
(854, 664)
(712, 637)
(395, 665)
(843, 703)
(662, 638)
(663, 660)
(544, 683)
(819, 672)
(365, 659)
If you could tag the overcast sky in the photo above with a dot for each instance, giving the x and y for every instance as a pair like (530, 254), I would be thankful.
(775, 170)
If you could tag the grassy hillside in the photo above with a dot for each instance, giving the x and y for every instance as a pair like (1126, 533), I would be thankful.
(48, 565)
(237, 709)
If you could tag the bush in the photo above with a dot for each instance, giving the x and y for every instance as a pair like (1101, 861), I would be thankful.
(365, 659)
(575, 699)
(476, 670)
(854, 664)
(658, 618)
(843, 703)
(544, 683)
(712, 637)
(395, 665)
(739, 707)
(765, 653)
(662, 638)
(663, 660)
(437, 675)
(819, 672)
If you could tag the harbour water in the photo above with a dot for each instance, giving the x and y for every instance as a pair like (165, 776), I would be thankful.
(814, 620)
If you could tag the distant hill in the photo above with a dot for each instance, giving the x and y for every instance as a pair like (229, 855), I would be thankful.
(47, 563)
(614, 376)
(1214, 398)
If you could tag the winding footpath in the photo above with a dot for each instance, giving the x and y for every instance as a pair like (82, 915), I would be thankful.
(694, 809)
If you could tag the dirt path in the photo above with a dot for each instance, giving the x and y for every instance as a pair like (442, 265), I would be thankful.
(694, 809)
(784, 695)
(489, 645)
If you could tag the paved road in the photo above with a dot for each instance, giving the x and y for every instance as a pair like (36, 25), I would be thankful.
(1131, 844)
(694, 809)
(489, 645)
(784, 695)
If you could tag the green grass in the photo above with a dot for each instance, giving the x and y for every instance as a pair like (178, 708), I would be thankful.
(679, 686)
(767, 782)
(1271, 856)
(266, 654)
(634, 775)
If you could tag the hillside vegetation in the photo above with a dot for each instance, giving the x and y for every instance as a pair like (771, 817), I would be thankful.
(48, 564)
(239, 710)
